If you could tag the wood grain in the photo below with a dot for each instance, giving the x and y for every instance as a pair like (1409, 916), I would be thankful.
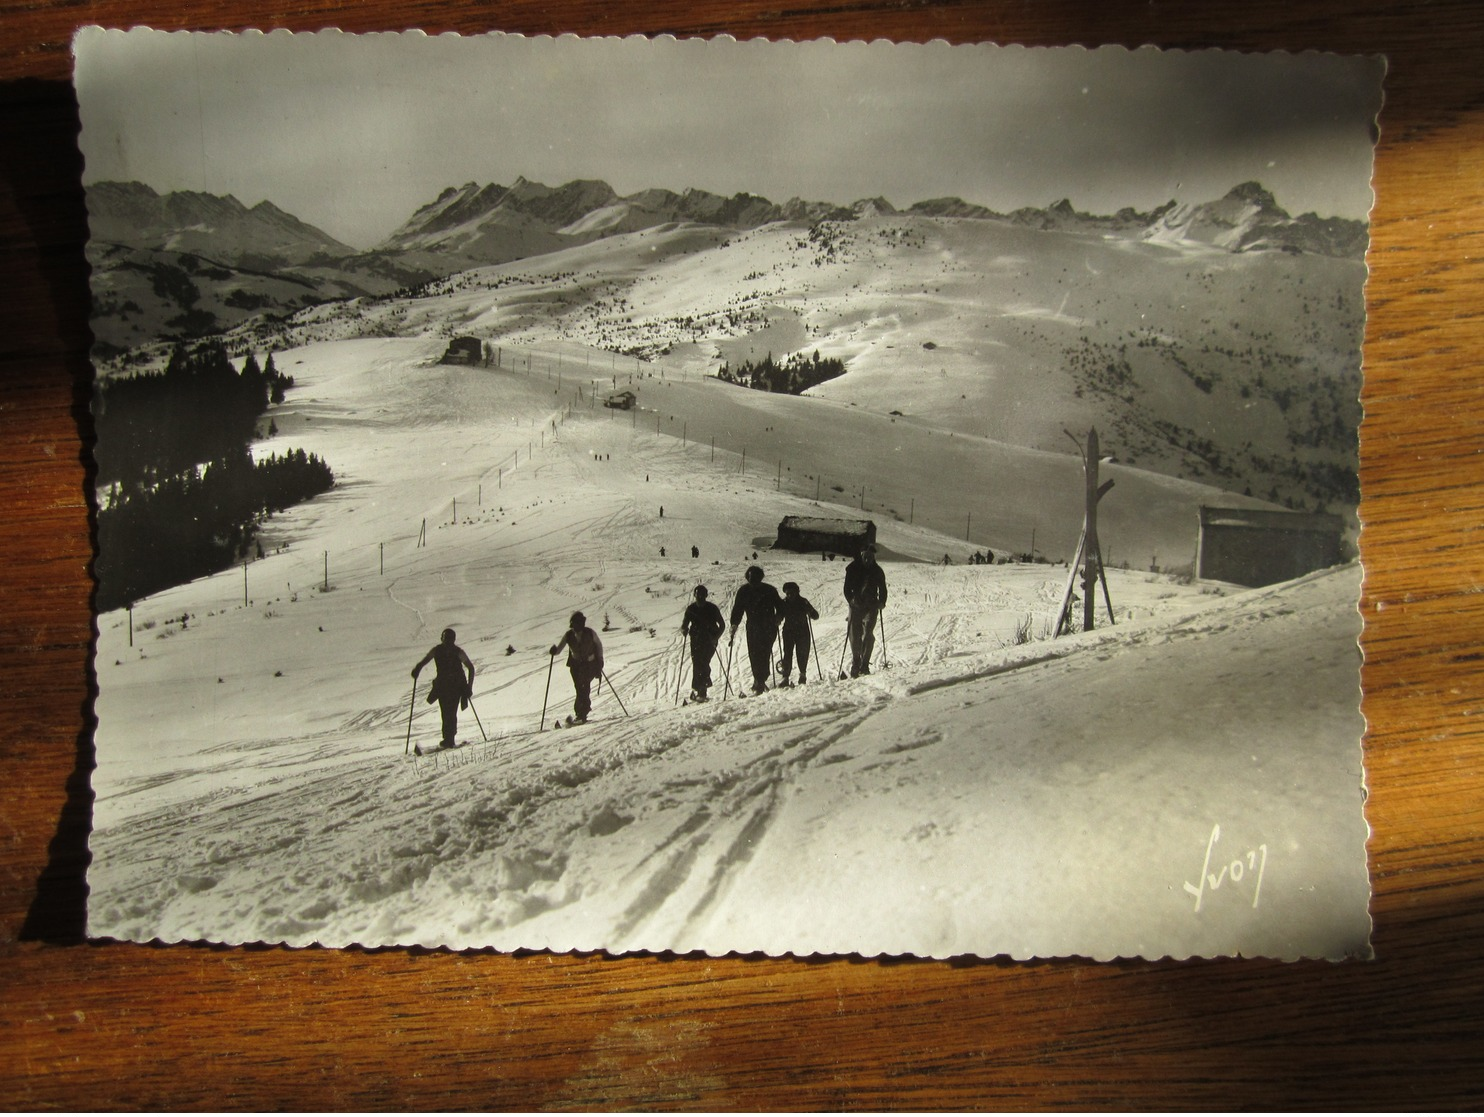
(120, 1026)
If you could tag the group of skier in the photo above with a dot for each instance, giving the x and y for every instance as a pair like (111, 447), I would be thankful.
(766, 616)
(764, 613)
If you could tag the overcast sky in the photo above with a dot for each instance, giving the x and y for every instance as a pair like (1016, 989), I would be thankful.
(353, 133)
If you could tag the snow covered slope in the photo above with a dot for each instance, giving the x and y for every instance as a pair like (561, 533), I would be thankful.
(987, 790)
(1240, 371)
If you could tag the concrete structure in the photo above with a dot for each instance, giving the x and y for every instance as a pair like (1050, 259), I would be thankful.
(811, 533)
(1257, 547)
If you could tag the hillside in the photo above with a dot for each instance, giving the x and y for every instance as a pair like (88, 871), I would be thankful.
(986, 791)
(1239, 370)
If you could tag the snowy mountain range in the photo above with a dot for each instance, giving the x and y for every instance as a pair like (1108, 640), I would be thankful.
(262, 237)
(188, 263)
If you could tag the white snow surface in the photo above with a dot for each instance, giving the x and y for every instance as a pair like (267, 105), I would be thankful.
(1187, 782)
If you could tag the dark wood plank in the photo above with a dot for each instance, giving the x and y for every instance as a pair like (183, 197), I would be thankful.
(112, 1025)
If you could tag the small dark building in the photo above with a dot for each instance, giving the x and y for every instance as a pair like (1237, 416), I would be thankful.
(621, 400)
(463, 351)
(1257, 546)
(811, 533)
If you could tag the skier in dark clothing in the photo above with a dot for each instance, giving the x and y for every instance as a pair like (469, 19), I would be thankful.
(760, 604)
(450, 688)
(796, 615)
(702, 623)
(865, 591)
(584, 660)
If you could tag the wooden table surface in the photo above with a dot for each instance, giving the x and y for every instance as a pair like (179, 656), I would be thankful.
(105, 1025)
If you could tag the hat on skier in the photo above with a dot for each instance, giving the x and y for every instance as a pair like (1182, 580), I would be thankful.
(577, 619)
(754, 573)
(790, 587)
(701, 591)
(449, 636)
(869, 549)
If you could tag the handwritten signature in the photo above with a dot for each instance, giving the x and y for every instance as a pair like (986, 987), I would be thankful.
(1234, 872)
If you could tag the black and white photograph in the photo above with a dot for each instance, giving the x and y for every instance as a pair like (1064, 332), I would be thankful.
(682, 495)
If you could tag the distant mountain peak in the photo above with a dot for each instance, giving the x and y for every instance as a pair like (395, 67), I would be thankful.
(216, 226)
(1248, 218)
(1256, 194)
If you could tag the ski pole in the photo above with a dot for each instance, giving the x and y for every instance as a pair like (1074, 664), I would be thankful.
(680, 674)
(411, 709)
(549, 664)
(731, 644)
(613, 692)
(881, 620)
(479, 723)
(845, 644)
(813, 651)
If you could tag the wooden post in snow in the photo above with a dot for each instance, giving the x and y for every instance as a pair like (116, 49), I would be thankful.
(1092, 549)
(1089, 552)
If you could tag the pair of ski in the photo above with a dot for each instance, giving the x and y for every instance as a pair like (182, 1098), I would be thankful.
(434, 750)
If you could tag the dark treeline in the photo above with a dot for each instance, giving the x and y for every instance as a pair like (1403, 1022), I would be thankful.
(196, 522)
(153, 425)
(183, 496)
(792, 377)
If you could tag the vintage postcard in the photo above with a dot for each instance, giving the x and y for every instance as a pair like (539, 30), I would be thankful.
(701, 495)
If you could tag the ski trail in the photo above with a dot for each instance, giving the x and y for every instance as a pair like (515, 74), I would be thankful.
(702, 852)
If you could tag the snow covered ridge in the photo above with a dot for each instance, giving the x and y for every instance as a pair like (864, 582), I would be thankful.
(273, 261)
(986, 790)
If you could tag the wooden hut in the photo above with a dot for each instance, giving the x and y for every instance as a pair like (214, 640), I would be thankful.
(1259, 546)
(812, 533)
(623, 401)
(463, 351)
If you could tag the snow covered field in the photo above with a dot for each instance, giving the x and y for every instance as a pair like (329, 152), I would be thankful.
(1187, 782)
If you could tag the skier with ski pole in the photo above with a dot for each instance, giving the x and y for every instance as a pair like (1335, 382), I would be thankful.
(795, 616)
(760, 604)
(702, 625)
(584, 661)
(450, 688)
(865, 592)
